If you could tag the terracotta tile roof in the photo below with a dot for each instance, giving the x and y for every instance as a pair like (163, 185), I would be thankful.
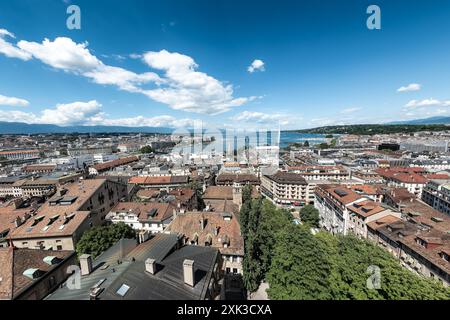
(217, 205)
(422, 213)
(219, 192)
(405, 175)
(340, 193)
(159, 180)
(142, 209)
(148, 193)
(14, 261)
(189, 225)
(115, 163)
(399, 195)
(366, 208)
(68, 215)
(366, 189)
(9, 214)
(182, 194)
(374, 225)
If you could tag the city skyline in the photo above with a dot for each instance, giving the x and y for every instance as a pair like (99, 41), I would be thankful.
(169, 63)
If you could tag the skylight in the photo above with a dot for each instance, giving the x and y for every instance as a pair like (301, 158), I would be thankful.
(123, 290)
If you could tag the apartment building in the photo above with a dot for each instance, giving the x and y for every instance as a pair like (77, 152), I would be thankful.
(287, 188)
(342, 210)
(408, 178)
(220, 230)
(20, 154)
(421, 249)
(149, 217)
(308, 172)
(436, 194)
(60, 222)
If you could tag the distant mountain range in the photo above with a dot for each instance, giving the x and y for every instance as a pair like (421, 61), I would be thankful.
(432, 120)
(24, 128)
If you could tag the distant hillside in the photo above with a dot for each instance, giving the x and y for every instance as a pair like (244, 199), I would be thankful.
(432, 120)
(24, 128)
(371, 129)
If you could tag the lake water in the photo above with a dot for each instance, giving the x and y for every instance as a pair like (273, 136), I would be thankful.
(238, 141)
(291, 137)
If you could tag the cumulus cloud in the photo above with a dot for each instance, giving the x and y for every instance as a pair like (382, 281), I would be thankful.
(181, 87)
(13, 102)
(257, 65)
(66, 55)
(72, 113)
(410, 87)
(89, 113)
(428, 103)
(10, 50)
(263, 118)
(186, 89)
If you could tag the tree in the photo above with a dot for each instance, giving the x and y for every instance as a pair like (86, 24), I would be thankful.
(252, 274)
(306, 143)
(245, 209)
(324, 145)
(146, 149)
(198, 191)
(329, 136)
(310, 216)
(98, 239)
(299, 269)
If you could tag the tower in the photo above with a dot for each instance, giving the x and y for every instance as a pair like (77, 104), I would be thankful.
(237, 194)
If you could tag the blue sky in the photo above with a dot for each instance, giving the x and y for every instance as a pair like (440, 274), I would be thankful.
(168, 63)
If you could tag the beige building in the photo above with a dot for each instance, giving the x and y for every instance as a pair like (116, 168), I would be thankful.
(287, 188)
(60, 222)
(219, 230)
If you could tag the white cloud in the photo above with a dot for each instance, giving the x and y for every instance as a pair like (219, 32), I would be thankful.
(410, 87)
(428, 103)
(257, 65)
(187, 89)
(350, 110)
(264, 118)
(181, 87)
(71, 114)
(140, 121)
(64, 54)
(89, 113)
(13, 102)
(9, 49)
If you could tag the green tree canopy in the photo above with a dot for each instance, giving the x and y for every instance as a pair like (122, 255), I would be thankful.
(146, 149)
(310, 215)
(98, 239)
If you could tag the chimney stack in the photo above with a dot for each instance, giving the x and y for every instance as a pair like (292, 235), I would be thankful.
(18, 222)
(188, 272)
(85, 264)
(150, 266)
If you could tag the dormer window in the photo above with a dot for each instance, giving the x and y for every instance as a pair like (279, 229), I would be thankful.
(421, 242)
(445, 256)
(37, 220)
